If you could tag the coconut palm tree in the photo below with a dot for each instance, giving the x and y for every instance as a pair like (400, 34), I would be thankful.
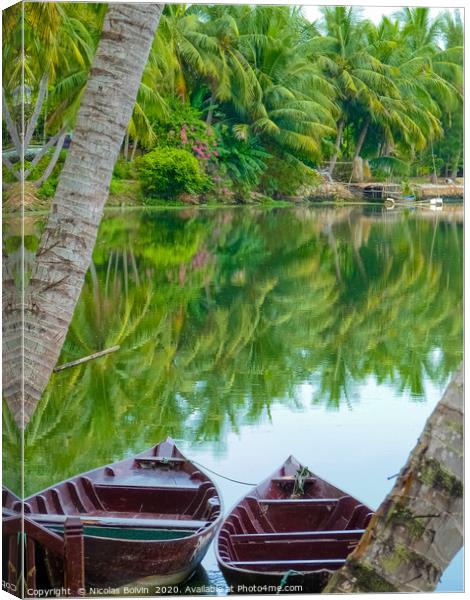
(291, 108)
(428, 77)
(362, 81)
(59, 44)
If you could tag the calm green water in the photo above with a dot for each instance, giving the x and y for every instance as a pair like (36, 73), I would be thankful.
(249, 335)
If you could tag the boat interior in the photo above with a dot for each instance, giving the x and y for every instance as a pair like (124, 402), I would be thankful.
(161, 490)
(282, 533)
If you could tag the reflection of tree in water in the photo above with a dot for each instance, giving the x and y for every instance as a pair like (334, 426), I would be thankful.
(221, 314)
(20, 238)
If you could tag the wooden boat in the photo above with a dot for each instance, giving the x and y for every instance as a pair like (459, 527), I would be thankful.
(294, 528)
(147, 519)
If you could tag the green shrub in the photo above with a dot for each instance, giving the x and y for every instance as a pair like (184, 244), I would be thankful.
(244, 162)
(184, 128)
(285, 176)
(170, 172)
(123, 169)
(48, 188)
(389, 166)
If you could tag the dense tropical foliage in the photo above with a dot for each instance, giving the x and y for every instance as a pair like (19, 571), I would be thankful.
(258, 94)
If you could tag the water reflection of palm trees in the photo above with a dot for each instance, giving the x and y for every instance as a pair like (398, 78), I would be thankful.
(221, 314)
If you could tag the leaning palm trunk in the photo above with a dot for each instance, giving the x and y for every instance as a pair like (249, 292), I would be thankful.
(67, 243)
(418, 528)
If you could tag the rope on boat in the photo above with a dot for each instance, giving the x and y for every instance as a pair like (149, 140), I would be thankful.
(223, 476)
(284, 579)
(299, 481)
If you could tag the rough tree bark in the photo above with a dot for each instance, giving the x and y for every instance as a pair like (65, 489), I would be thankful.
(418, 528)
(67, 243)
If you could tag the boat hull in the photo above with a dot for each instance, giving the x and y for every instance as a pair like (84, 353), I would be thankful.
(289, 533)
(146, 564)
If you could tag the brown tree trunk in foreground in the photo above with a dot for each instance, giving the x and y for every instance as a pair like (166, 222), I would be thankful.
(67, 243)
(418, 528)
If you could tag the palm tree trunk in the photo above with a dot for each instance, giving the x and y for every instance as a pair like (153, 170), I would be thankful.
(362, 137)
(339, 137)
(357, 168)
(134, 148)
(67, 243)
(418, 528)
(210, 113)
(126, 146)
(455, 167)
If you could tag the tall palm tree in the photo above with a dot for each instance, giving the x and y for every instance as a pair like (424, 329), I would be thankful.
(428, 77)
(230, 76)
(292, 106)
(362, 81)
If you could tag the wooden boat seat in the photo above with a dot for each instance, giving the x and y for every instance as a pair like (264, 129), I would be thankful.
(259, 515)
(155, 498)
(341, 534)
(342, 514)
(301, 502)
(138, 516)
(153, 462)
(148, 488)
(286, 565)
(290, 514)
(294, 549)
(360, 517)
(121, 520)
(287, 482)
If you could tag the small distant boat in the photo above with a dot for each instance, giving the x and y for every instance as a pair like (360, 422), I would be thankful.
(147, 519)
(294, 528)
(436, 203)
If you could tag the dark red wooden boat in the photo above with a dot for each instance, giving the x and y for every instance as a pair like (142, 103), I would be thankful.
(147, 519)
(294, 528)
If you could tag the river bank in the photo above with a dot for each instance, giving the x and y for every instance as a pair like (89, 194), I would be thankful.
(127, 192)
